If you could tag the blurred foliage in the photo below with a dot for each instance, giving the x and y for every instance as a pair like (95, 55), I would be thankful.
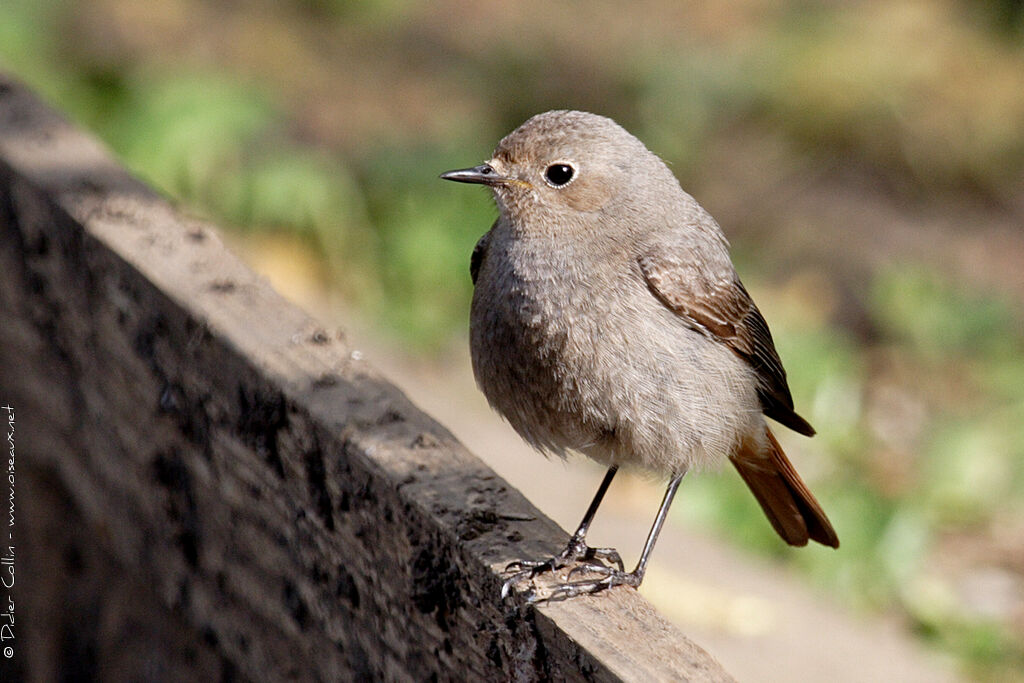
(328, 121)
(963, 469)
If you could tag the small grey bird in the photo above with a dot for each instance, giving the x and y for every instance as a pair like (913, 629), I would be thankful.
(608, 319)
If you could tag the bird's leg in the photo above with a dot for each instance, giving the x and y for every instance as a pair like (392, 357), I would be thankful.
(576, 549)
(610, 575)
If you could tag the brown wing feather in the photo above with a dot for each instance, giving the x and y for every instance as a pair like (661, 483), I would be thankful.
(725, 311)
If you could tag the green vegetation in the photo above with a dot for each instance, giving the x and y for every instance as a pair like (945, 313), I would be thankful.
(329, 121)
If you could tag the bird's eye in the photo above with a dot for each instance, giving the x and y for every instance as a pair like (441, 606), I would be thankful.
(559, 174)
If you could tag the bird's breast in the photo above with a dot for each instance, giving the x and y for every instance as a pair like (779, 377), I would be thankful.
(541, 327)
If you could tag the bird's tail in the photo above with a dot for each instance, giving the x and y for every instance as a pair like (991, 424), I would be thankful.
(785, 499)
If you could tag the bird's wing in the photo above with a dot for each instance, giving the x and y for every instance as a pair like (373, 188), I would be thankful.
(477, 258)
(722, 309)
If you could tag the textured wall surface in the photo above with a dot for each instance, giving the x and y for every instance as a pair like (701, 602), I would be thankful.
(211, 486)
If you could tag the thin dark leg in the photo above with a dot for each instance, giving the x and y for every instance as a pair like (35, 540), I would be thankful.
(576, 549)
(588, 517)
(659, 521)
(613, 577)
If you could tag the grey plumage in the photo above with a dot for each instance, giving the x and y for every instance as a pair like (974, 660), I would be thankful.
(607, 317)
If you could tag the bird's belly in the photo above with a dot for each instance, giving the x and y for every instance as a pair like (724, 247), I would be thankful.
(622, 381)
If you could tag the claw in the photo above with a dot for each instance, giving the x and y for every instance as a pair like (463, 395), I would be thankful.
(506, 588)
(614, 578)
(536, 566)
(591, 568)
(607, 554)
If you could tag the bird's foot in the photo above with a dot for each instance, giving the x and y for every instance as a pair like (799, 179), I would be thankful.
(575, 551)
(609, 578)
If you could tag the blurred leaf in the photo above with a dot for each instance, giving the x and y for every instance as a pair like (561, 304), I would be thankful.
(968, 471)
(185, 133)
(27, 43)
(426, 230)
(915, 304)
(903, 545)
(825, 374)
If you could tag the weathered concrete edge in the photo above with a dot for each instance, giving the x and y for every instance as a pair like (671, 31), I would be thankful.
(347, 404)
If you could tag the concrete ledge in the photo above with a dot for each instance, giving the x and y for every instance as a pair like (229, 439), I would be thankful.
(212, 486)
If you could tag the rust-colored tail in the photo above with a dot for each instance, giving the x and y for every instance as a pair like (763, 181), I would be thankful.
(785, 499)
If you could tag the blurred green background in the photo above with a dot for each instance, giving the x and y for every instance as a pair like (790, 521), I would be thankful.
(866, 160)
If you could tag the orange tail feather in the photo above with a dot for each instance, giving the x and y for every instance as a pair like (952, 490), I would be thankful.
(785, 499)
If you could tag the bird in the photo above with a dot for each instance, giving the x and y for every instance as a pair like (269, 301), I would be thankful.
(608, 320)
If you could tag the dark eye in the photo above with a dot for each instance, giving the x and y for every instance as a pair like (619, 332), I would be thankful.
(558, 175)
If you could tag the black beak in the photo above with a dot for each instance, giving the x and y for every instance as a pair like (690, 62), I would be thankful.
(483, 174)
